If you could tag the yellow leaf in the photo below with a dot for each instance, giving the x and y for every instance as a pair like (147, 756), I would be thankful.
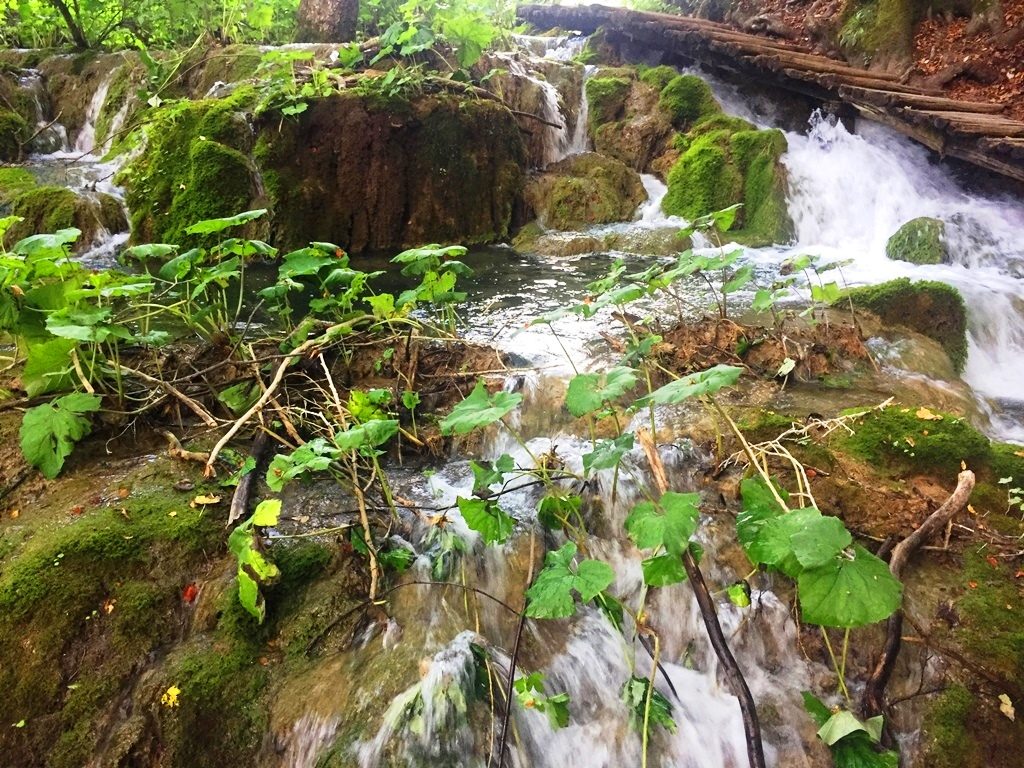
(172, 514)
(15, 514)
(963, 466)
(925, 414)
(1006, 706)
(170, 697)
(204, 500)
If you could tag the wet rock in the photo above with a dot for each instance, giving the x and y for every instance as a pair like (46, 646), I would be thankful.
(13, 181)
(687, 99)
(584, 190)
(724, 162)
(646, 242)
(931, 308)
(48, 209)
(919, 241)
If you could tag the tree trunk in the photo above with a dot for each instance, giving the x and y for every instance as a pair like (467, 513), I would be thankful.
(327, 21)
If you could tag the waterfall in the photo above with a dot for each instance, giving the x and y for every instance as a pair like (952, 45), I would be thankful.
(850, 192)
(51, 135)
(85, 142)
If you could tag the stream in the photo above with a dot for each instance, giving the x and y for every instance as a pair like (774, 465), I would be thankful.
(848, 193)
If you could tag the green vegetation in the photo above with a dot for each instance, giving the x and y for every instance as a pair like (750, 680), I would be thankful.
(688, 99)
(931, 308)
(920, 241)
(607, 99)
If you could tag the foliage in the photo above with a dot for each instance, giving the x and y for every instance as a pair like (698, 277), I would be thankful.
(854, 744)
(49, 431)
(254, 569)
(551, 595)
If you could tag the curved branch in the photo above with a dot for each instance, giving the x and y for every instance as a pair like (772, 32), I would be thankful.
(873, 700)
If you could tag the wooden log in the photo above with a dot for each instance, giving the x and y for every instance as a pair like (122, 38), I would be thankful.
(821, 64)
(889, 98)
(835, 82)
(965, 123)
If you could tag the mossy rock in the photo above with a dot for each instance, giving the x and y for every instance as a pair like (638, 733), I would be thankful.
(13, 182)
(898, 439)
(194, 167)
(657, 77)
(919, 241)
(945, 740)
(726, 161)
(929, 307)
(13, 131)
(48, 209)
(606, 99)
(687, 99)
(584, 190)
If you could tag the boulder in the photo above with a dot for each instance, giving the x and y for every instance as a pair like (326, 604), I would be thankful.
(929, 307)
(584, 190)
(919, 241)
(48, 209)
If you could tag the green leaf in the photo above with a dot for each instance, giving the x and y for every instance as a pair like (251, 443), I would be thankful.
(663, 570)
(530, 694)
(369, 435)
(209, 226)
(48, 367)
(607, 453)
(551, 594)
(486, 518)
(635, 695)
(842, 724)
(240, 397)
(486, 475)
(668, 523)
(314, 456)
(267, 513)
(695, 385)
(743, 276)
(739, 594)
(397, 559)
(773, 544)
(820, 541)
(759, 506)
(589, 392)
(479, 410)
(49, 431)
(849, 591)
(557, 509)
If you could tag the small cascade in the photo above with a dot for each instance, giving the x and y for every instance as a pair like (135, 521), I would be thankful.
(50, 136)
(850, 192)
(85, 142)
(310, 736)
(580, 141)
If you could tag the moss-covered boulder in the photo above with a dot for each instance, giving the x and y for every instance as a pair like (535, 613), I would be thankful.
(657, 77)
(606, 98)
(687, 99)
(919, 241)
(13, 133)
(48, 209)
(931, 308)
(584, 190)
(13, 181)
(725, 162)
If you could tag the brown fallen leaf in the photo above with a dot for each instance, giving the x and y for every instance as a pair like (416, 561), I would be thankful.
(1006, 706)
(926, 415)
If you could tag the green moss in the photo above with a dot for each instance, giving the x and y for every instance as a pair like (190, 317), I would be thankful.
(13, 182)
(687, 99)
(658, 77)
(45, 209)
(931, 308)
(194, 167)
(765, 217)
(897, 440)
(13, 131)
(710, 124)
(703, 179)
(891, 30)
(1008, 461)
(990, 612)
(946, 742)
(584, 190)
(606, 97)
(919, 241)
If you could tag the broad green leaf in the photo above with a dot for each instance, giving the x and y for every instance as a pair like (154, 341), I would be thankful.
(149, 251)
(820, 541)
(843, 723)
(695, 385)
(267, 513)
(314, 456)
(551, 594)
(592, 578)
(850, 591)
(486, 518)
(479, 410)
(829, 293)
(663, 570)
(249, 596)
(589, 392)
(49, 431)
(607, 453)
(209, 226)
(240, 397)
(530, 694)
(773, 544)
(668, 523)
(759, 506)
(486, 475)
(743, 276)
(369, 435)
(48, 367)
(397, 558)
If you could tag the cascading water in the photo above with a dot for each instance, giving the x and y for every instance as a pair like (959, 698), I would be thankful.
(850, 192)
(85, 141)
(50, 136)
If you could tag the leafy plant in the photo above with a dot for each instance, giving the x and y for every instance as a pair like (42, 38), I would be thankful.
(49, 431)
(254, 569)
(551, 594)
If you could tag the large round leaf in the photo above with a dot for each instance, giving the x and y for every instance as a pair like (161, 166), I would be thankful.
(851, 590)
